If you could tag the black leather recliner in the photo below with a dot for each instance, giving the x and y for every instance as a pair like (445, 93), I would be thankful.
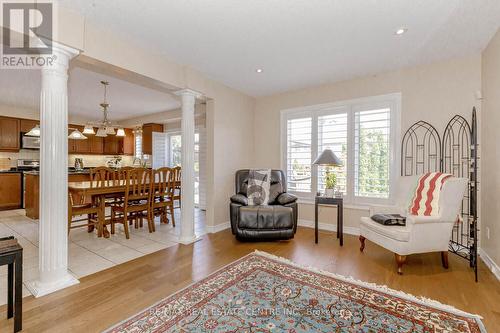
(275, 221)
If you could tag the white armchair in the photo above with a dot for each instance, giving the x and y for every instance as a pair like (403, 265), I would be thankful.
(422, 233)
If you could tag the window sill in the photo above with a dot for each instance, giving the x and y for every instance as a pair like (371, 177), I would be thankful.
(349, 206)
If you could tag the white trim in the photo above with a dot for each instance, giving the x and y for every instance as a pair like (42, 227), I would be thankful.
(39, 289)
(490, 263)
(393, 101)
(328, 227)
(212, 229)
(348, 206)
(189, 92)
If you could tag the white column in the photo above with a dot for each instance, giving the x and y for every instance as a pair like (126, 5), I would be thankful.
(187, 182)
(53, 225)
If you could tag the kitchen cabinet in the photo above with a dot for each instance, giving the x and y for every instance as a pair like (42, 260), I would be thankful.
(96, 144)
(27, 124)
(9, 134)
(147, 137)
(11, 190)
(78, 146)
(113, 145)
(128, 142)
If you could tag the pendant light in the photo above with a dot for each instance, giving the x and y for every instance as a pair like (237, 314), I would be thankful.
(104, 127)
(77, 135)
(35, 131)
(101, 132)
(89, 129)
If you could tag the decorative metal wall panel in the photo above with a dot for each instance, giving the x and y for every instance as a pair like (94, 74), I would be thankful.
(422, 151)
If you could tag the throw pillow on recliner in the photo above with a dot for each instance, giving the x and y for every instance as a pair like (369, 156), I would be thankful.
(259, 182)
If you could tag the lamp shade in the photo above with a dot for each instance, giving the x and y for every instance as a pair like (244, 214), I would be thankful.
(35, 131)
(88, 129)
(120, 132)
(77, 135)
(101, 132)
(328, 157)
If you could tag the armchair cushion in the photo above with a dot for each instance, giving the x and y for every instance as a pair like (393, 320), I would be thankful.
(286, 198)
(399, 233)
(239, 199)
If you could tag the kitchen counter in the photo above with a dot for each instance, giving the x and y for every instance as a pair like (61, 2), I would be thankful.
(32, 189)
(10, 171)
(71, 171)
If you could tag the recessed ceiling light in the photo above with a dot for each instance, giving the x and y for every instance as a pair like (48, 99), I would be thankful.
(259, 70)
(401, 31)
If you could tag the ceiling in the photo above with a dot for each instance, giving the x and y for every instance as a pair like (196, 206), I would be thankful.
(127, 100)
(297, 43)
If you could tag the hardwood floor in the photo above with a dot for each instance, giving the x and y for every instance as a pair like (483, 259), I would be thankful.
(107, 297)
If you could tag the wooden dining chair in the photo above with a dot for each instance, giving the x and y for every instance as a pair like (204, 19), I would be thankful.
(177, 192)
(119, 176)
(79, 207)
(101, 176)
(162, 201)
(137, 200)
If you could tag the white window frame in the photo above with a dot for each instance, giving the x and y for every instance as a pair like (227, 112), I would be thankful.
(393, 101)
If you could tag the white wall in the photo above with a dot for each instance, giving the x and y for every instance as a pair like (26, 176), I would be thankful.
(433, 92)
(490, 159)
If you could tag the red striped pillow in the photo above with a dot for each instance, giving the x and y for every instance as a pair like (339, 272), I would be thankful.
(426, 199)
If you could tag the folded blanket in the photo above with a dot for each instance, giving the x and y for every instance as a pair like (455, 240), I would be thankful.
(426, 198)
(389, 219)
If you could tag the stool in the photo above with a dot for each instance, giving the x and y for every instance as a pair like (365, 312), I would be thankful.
(11, 253)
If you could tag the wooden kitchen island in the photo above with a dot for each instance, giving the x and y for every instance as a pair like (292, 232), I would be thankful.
(32, 190)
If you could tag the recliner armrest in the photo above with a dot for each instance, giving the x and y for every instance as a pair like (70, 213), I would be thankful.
(239, 199)
(286, 198)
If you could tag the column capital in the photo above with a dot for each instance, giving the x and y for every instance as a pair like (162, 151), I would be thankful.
(188, 92)
(69, 51)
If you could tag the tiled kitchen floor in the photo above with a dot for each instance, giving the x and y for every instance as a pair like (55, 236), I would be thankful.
(88, 254)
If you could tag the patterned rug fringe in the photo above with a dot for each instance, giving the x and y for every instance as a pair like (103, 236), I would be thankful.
(382, 288)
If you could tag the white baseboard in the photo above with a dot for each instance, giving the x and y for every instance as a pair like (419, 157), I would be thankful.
(212, 229)
(492, 265)
(328, 227)
(301, 223)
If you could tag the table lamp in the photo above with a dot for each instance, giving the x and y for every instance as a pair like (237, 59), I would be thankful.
(329, 159)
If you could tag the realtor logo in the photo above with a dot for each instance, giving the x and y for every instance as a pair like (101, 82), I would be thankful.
(27, 34)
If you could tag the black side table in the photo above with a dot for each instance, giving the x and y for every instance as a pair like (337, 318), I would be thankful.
(12, 255)
(339, 202)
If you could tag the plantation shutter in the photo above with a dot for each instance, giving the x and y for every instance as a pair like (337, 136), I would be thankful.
(371, 151)
(299, 150)
(332, 134)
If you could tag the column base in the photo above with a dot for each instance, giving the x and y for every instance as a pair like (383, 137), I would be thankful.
(39, 289)
(189, 239)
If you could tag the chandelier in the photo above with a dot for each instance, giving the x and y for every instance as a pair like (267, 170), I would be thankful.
(104, 127)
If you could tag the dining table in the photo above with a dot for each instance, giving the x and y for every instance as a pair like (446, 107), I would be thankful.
(97, 192)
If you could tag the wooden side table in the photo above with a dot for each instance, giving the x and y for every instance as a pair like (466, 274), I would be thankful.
(339, 202)
(12, 255)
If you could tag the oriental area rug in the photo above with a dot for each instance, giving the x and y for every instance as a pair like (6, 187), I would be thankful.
(264, 293)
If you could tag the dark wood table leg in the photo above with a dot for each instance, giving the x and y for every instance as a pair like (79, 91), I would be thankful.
(10, 292)
(338, 221)
(18, 292)
(340, 217)
(316, 223)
